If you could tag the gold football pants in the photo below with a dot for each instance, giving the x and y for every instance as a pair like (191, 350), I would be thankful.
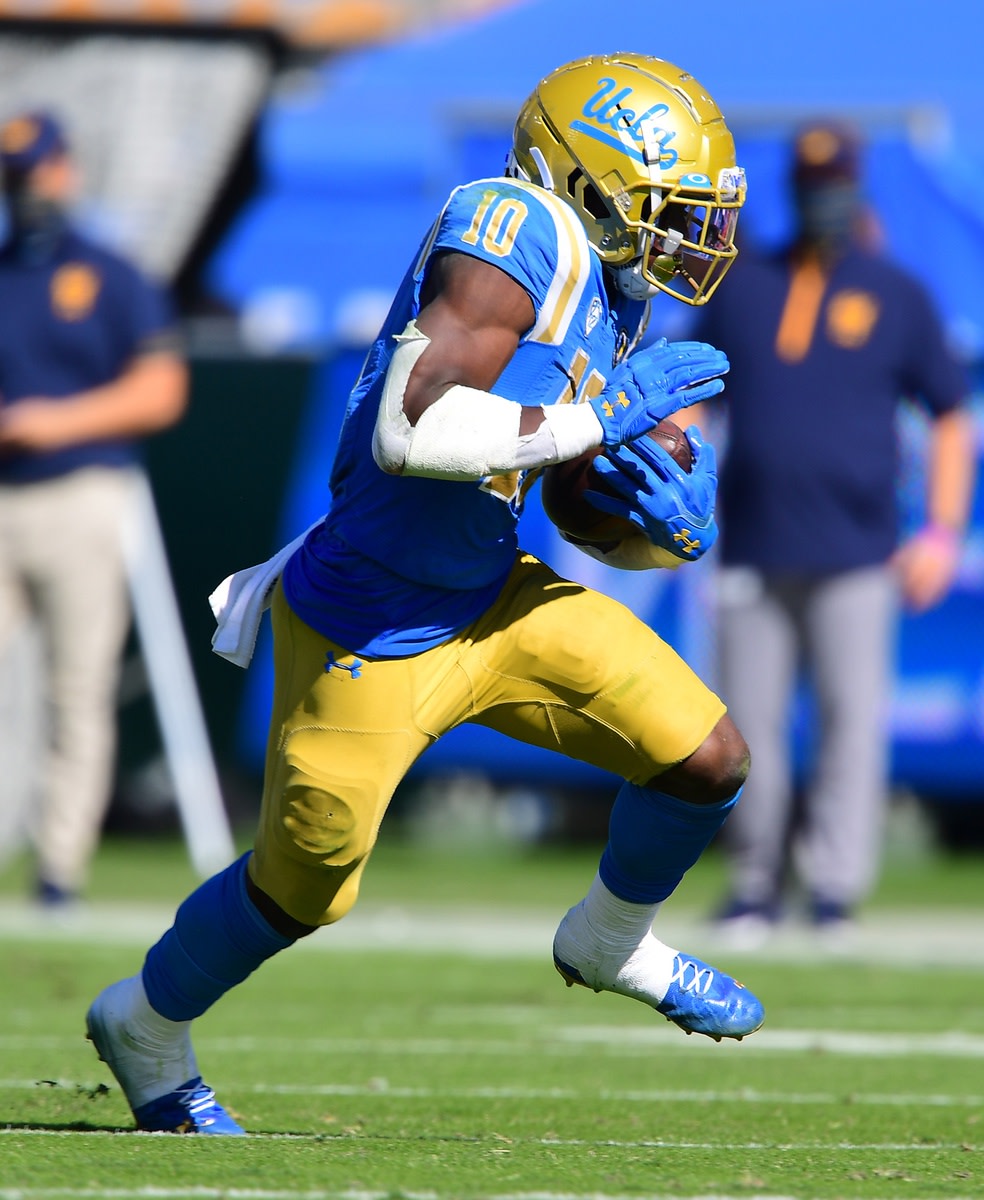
(551, 663)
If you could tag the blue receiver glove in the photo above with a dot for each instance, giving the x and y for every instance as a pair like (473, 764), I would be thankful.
(654, 383)
(674, 509)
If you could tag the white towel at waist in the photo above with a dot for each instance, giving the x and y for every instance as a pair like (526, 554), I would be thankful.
(240, 601)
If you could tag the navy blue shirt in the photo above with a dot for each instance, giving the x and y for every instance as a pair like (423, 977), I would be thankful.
(808, 477)
(68, 323)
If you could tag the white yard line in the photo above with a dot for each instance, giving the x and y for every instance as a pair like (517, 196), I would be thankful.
(382, 1088)
(575, 1041)
(916, 938)
(360, 1194)
(150, 1193)
(557, 1143)
(203, 1193)
(571, 1040)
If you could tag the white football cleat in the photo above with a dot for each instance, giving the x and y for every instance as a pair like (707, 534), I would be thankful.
(685, 990)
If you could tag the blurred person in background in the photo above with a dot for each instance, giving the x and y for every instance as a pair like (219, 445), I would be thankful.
(826, 339)
(410, 609)
(89, 362)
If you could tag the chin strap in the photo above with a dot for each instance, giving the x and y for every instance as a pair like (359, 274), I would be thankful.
(631, 282)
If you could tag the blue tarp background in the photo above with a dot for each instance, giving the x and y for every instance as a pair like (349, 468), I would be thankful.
(360, 155)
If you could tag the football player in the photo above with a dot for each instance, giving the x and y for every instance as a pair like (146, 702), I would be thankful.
(410, 609)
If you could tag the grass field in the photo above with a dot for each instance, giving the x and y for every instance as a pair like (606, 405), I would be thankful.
(434, 1052)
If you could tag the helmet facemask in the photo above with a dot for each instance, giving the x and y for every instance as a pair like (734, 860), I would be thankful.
(685, 246)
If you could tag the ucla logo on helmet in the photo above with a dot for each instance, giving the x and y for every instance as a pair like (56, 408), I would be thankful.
(611, 120)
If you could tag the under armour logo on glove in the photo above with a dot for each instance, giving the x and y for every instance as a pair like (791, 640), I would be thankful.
(674, 508)
(655, 382)
(354, 668)
(688, 544)
(621, 399)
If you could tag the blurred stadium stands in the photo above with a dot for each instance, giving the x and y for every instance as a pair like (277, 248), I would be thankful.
(280, 162)
(308, 24)
(371, 142)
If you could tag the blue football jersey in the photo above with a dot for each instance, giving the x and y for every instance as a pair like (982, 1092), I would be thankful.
(402, 563)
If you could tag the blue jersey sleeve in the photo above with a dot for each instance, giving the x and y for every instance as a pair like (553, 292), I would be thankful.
(531, 235)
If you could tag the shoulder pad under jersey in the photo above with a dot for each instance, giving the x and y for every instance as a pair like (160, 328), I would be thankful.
(530, 234)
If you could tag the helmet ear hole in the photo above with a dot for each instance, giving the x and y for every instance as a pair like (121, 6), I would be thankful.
(594, 204)
(587, 195)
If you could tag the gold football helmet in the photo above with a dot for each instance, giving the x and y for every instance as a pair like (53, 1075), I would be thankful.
(644, 157)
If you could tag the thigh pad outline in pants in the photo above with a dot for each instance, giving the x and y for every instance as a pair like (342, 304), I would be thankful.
(551, 663)
(343, 734)
(559, 665)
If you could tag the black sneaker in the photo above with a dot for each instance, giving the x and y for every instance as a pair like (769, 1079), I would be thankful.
(50, 895)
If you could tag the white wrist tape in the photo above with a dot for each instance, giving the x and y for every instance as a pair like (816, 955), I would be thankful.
(469, 433)
(574, 429)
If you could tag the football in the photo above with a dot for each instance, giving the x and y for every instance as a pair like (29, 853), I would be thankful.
(563, 485)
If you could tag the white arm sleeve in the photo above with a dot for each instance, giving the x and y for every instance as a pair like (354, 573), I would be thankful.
(468, 433)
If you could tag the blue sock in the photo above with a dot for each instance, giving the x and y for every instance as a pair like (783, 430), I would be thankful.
(654, 839)
(217, 939)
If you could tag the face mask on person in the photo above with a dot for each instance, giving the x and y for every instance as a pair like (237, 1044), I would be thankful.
(36, 222)
(827, 213)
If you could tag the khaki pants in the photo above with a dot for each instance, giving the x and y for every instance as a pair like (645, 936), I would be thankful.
(61, 568)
